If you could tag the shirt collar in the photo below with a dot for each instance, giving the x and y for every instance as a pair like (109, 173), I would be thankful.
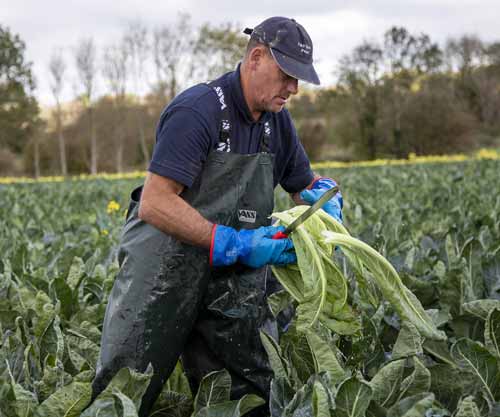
(239, 99)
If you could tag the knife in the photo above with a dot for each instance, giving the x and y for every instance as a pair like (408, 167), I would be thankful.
(308, 213)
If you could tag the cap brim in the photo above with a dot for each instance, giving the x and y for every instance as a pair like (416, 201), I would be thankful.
(294, 68)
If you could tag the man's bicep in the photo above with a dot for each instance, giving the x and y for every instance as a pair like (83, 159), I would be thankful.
(156, 191)
(156, 185)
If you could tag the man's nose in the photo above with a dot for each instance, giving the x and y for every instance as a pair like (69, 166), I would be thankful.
(293, 85)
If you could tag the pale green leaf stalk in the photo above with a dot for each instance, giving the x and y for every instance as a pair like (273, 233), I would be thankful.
(310, 262)
(389, 283)
(320, 287)
(316, 283)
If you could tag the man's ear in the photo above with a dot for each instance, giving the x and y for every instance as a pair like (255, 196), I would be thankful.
(256, 56)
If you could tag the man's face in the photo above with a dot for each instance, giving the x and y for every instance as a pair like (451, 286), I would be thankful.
(272, 87)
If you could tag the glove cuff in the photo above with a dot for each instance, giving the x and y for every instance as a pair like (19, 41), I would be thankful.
(321, 181)
(224, 246)
(212, 239)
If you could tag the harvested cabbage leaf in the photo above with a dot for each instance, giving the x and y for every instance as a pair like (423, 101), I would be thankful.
(321, 289)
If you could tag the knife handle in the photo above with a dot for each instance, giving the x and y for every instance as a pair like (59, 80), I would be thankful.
(280, 235)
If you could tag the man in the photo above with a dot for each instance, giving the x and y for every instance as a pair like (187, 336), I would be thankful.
(193, 256)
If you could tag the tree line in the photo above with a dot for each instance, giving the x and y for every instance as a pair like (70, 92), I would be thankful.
(398, 95)
(406, 94)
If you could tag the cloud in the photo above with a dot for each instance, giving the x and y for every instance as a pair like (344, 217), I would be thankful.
(335, 26)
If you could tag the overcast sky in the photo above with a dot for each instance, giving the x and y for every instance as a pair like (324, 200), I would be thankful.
(335, 26)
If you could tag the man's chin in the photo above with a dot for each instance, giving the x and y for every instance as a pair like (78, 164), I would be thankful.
(276, 108)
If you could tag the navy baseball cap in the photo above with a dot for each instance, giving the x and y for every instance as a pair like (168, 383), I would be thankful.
(290, 46)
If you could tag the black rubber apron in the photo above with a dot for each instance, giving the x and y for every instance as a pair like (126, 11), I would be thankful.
(167, 301)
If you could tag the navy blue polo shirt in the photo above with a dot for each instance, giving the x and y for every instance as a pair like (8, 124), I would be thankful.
(189, 129)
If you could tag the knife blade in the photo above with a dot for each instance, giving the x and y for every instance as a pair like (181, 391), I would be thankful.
(308, 213)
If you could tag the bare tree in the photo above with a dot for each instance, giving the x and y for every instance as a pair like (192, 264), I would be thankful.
(115, 62)
(137, 47)
(57, 68)
(173, 48)
(219, 48)
(465, 52)
(85, 56)
(360, 73)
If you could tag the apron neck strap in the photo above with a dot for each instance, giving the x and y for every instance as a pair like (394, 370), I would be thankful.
(224, 143)
(265, 140)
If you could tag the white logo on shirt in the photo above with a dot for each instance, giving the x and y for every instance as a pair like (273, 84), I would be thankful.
(220, 94)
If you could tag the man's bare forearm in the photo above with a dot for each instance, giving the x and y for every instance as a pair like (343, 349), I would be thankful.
(162, 207)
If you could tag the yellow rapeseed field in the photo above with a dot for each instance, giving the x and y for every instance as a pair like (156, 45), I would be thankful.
(412, 159)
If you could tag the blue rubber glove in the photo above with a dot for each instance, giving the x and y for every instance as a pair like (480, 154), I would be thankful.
(254, 248)
(334, 206)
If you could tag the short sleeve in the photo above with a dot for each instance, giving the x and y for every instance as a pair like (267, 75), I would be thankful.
(297, 173)
(183, 141)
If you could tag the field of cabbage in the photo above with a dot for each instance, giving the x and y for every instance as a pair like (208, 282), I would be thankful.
(438, 224)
